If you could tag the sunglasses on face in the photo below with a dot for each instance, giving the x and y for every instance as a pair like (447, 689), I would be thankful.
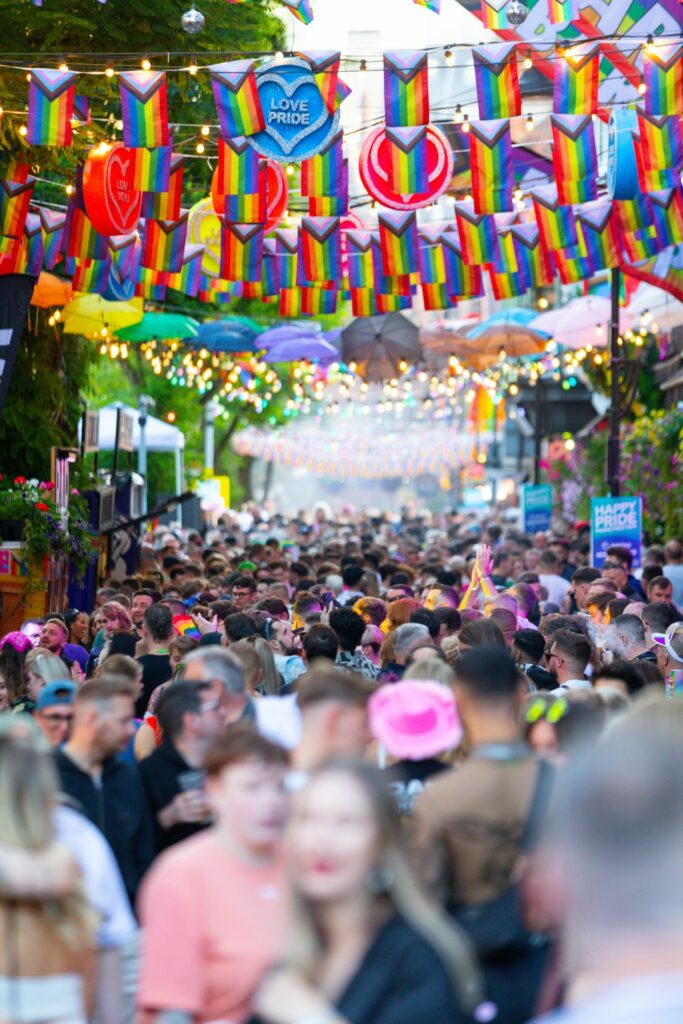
(552, 713)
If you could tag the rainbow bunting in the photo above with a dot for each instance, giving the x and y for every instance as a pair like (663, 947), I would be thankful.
(188, 279)
(81, 112)
(91, 275)
(341, 93)
(270, 275)
(562, 11)
(325, 67)
(241, 252)
(319, 250)
(435, 295)
(663, 77)
(660, 141)
(321, 175)
(238, 167)
(287, 247)
(507, 286)
(163, 243)
(143, 109)
(290, 303)
(462, 280)
(318, 301)
(572, 269)
(497, 81)
(491, 165)
(248, 207)
(406, 88)
(124, 253)
(505, 260)
(84, 243)
(386, 284)
(532, 256)
(13, 168)
(359, 256)
(236, 98)
(52, 225)
(431, 5)
(667, 211)
(398, 243)
(33, 238)
(301, 9)
(652, 179)
(363, 302)
(575, 158)
(152, 168)
(15, 197)
(634, 216)
(166, 205)
(575, 80)
(599, 234)
(392, 303)
(432, 266)
(13, 256)
(406, 150)
(334, 205)
(494, 15)
(50, 107)
(556, 222)
(478, 237)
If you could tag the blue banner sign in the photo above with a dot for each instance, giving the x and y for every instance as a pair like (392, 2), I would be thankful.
(537, 507)
(616, 521)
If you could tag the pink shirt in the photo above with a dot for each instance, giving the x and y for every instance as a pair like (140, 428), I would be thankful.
(211, 926)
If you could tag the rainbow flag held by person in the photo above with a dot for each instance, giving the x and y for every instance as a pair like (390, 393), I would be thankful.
(497, 81)
(667, 212)
(152, 168)
(406, 88)
(301, 9)
(50, 107)
(398, 242)
(359, 257)
(363, 302)
(91, 276)
(287, 247)
(532, 257)
(463, 280)
(406, 150)
(660, 142)
(33, 237)
(163, 243)
(238, 167)
(318, 301)
(188, 279)
(432, 266)
(236, 98)
(144, 109)
(599, 234)
(325, 67)
(435, 295)
(290, 302)
(575, 157)
(241, 252)
(556, 222)
(321, 175)
(561, 12)
(663, 77)
(165, 205)
(493, 14)
(478, 235)
(15, 197)
(319, 250)
(52, 224)
(84, 242)
(575, 80)
(491, 165)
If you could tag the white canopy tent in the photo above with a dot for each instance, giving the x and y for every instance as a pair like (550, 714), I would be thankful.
(159, 437)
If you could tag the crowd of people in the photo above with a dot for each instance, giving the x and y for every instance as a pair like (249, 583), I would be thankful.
(354, 770)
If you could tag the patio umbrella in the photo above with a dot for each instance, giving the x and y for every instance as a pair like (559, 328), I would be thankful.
(292, 331)
(316, 349)
(505, 331)
(51, 290)
(161, 326)
(379, 344)
(88, 314)
(229, 335)
(655, 306)
(583, 321)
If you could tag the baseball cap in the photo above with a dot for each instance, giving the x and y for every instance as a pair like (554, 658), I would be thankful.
(415, 719)
(664, 640)
(62, 692)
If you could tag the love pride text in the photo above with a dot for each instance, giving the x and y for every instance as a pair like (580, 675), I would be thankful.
(288, 111)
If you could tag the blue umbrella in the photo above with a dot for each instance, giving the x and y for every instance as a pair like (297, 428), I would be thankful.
(509, 318)
(315, 349)
(226, 336)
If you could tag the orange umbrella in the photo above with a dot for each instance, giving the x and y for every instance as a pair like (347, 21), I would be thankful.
(51, 291)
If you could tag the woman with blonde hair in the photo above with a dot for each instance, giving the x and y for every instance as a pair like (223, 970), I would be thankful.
(115, 618)
(47, 941)
(365, 945)
(40, 668)
(262, 678)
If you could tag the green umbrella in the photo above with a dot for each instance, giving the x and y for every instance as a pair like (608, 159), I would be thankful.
(161, 326)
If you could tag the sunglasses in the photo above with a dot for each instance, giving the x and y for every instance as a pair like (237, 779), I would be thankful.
(552, 713)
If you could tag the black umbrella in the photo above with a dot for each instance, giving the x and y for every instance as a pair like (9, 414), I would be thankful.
(379, 344)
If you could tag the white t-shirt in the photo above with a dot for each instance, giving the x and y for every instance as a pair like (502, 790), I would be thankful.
(556, 586)
(104, 886)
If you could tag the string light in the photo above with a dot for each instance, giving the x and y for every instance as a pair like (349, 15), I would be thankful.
(529, 124)
(146, 64)
(642, 88)
(193, 68)
(290, 169)
(205, 130)
(199, 148)
(465, 123)
(363, 65)
(457, 117)
(109, 70)
(23, 130)
(528, 63)
(448, 54)
(69, 189)
(63, 66)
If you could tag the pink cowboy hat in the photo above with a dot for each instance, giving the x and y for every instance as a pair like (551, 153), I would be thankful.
(415, 719)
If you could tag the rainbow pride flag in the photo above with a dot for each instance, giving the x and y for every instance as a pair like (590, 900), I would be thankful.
(531, 255)
(241, 252)
(91, 276)
(493, 14)
(599, 234)
(52, 224)
(571, 269)
(301, 9)
(491, 165)
(359, 257)
(575, 158)
(363, 302)
(13, 256)
(144, 108)
(386, 284)
(236, 98)
(152, 168)
(238, 167)
(432, 266)
(287, 247)
(321, 175)
(667, 214)
(560, 12)
(663, 77)
(406, 88)
(575, 80)
(50, 107)
(660, 141)
(84, 242)
(634, 216)
(497, 81)
(398, 243)
(653, 179)
(556, 222)
(325, 67)
(319, 250)
(435, 295)
(507, 286)
(270, 274)
(124, 253)
(163, 243)
(15, 197)
(505, 260)
(478, 235)
(318, 301)
(81, 112)
(462, 279)
(165, 205)
(392, 303)
(406, 150)
(247, 207)
(188, 279)
(290, 303)
(33, 237)
(431, 5)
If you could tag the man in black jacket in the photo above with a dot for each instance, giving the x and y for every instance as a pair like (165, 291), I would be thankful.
(107, 790)
(190, 719)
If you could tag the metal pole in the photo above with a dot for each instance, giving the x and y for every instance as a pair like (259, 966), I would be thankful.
(142, 454)
(209, 435)
(115, 462)
(538, 436)
(613, 442)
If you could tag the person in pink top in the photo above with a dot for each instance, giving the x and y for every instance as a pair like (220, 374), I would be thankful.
(213, 907)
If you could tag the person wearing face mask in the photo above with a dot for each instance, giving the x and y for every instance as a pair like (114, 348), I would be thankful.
(213, 907)
(365, 946)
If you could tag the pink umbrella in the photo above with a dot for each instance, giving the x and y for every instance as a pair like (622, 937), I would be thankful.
(583, 321)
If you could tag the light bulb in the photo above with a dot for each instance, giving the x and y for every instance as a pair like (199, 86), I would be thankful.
(192, 68)
(146, 64)
(23, 130)
(290, 169)
(448, 54)
(199, 148)
(529, 124)
(457, 117)
(528, 63)
(205, 130)
(109, 71)
(69, 189)
(642, 88)
(465, 123)
(63, 66)
(363, 65)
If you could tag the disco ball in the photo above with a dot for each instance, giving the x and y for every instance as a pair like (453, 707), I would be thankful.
(193, 21)
(516, 12)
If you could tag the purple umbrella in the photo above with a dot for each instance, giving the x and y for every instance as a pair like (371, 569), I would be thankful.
(289, 332)
(301, 348)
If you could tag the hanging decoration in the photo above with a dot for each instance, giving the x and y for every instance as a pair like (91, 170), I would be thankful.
(15, 197)
(193, 21)
(516, 12)
(319, 253)
(663, 78)
(575, 158)
(374, 170)
(575, 81)
(50, 107)
(109, 193)
(152, 168)
(478, 236)
(325, 67)
(598, 234)
(163, 243)
(236, 97)
(462, 279)
(562, 12)
(143, 108)
(242, 252)
(533, 257)
(398, 243)
(667, 213)
(491, 166)
(165, 204)
(497, 81)
(301, 9)
(406, 88)
(407, 159)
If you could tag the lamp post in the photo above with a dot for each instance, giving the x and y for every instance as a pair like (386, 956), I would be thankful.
(211, 410)
(613, 441)
(145, 403)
